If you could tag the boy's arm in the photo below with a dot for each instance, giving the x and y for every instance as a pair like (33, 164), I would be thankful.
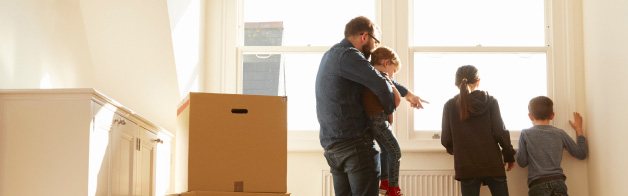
(446, 139)
(577, 150)
(522, 154)
(397, 101)
(403, 91)
(415, 101)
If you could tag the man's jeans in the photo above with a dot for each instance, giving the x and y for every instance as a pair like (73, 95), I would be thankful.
(553, 188)
(390, 151)
(497, 185)
(354, 169)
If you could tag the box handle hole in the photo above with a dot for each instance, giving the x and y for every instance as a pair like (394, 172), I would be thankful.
(239, 111)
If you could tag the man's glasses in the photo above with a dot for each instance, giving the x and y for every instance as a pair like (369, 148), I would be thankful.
(376, 40)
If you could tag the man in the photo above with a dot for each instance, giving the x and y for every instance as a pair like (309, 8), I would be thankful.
(343, 74)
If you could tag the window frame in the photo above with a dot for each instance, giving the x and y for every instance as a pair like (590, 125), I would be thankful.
(395, 20)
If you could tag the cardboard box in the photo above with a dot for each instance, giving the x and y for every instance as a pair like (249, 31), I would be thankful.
(213, 193)
(237, 143)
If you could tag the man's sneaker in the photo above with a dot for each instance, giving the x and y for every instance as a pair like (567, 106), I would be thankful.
(394, 191)
(383, 187)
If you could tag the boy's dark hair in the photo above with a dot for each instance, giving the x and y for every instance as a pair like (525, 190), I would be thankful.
(541, 108)
(359, 25)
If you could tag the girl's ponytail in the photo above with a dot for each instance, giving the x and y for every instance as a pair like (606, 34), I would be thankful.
(463, 99)
(465, 75)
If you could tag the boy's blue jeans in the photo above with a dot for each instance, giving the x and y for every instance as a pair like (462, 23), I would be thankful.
(497, 185)
(553, 188)
(354, 169)
(390, 152)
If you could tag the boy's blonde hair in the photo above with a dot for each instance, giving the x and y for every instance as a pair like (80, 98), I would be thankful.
(383, 53)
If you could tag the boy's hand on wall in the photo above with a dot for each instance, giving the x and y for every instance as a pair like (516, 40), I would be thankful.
(577, 123)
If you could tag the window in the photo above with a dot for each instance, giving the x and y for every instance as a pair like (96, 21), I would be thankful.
(262, 77)
(522, 49)
(282, 45)
(479, 23)
(505, 40)
(512, 78)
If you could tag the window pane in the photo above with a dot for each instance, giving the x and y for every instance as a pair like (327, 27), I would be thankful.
(300, 22)
(263, 75)
(479, 22)
(512, 78)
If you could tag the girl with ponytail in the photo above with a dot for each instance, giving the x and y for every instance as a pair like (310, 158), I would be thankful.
(473, 131)
(466, 79)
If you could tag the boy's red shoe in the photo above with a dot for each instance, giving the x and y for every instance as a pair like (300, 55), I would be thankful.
(394, 191)
(383, 187)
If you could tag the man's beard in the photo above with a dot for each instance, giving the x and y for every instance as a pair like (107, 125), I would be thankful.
(367, 51)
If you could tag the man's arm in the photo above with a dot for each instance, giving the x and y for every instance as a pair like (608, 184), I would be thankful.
(356, 68)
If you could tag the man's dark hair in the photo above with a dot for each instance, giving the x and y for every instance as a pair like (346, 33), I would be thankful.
(541, 108)
(359, 25)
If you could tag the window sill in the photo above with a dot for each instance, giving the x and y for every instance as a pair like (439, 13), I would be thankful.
(307, 141)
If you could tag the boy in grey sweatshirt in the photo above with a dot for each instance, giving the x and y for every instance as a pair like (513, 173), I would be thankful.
(541, 148)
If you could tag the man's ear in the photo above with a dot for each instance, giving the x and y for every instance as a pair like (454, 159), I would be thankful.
(531, 117)
(552, 117)
(364, 37)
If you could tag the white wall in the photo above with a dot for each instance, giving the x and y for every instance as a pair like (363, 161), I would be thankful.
(131, 49)
(606, 67)
(43, 38)
(121, 48)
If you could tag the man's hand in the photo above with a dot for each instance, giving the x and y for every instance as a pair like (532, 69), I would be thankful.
(577, 123)
(415, 101)
(510, 165)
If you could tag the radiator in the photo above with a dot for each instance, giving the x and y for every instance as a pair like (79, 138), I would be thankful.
(414, 183)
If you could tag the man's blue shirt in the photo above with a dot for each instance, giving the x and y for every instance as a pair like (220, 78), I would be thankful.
(342, 76)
